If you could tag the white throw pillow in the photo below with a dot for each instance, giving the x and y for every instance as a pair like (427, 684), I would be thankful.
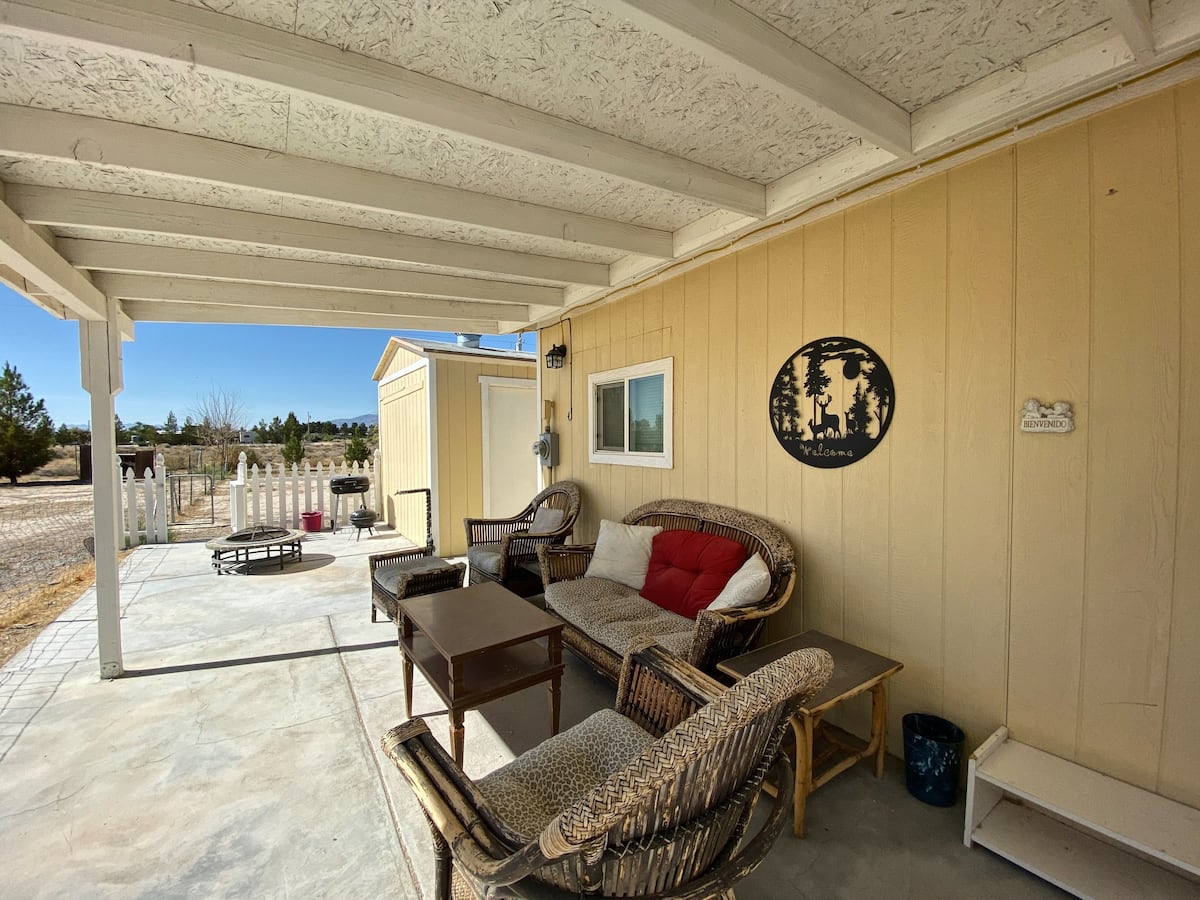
(748, 585)
(622, 553)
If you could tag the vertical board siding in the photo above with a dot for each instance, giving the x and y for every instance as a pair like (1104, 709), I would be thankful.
(979, 435)
(1181, 713)
(1050, 582)
(821, 582)
(918, 437)
(1134, 432)
(1050, 473)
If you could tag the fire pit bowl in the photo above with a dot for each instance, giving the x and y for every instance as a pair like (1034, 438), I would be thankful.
(239, 553)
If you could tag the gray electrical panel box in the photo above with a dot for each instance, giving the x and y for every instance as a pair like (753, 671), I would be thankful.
(546, 448)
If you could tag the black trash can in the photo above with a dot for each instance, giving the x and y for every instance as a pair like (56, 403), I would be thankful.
(933, 749)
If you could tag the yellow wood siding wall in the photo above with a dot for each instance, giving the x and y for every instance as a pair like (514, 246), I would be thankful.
(404, 444)
(459, 418)
(1048, 581)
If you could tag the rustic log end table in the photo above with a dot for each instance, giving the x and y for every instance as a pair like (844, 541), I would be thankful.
(476, 644)
(855, 671)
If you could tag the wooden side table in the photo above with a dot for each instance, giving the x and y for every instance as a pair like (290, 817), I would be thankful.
(477, 644)
(855, 671)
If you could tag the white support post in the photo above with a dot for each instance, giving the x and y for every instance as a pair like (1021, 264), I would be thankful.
(237, 496)
(100, 365)
(160, 498)
(269, 516)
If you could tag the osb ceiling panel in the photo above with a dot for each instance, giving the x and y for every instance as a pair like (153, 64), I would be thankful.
(247, 248)
(578, 63)
(68, 78)
(336, 134)
(279, 14)
(97, 177)
(914, 54)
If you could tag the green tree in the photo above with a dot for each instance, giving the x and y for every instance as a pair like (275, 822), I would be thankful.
(120, 431)
(357, 450)
(291, 426)
(292, 450)
(26, 432)
(67, 434)
(171, 427)
(189, 433)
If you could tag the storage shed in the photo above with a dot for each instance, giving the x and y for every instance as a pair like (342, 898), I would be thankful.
(459, 419)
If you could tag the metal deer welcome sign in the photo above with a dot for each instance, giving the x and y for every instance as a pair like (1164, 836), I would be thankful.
(832, 402)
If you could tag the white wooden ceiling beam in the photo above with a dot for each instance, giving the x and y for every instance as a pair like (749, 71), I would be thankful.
(164, 30)
(273, 296)
(742, 44)
(156, 311)
(112, 256)
(29, 132)
(27, 254)
(63, 207)
(1132, 18)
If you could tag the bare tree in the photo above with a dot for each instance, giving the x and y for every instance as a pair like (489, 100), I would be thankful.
(220, 415)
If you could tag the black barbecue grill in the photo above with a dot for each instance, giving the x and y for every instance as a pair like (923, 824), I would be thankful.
(347, 484)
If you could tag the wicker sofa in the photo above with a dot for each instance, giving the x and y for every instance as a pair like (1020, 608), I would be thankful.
(602, 618)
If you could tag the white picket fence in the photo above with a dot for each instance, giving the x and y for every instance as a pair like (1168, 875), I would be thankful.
(275, 496)
(144, 523)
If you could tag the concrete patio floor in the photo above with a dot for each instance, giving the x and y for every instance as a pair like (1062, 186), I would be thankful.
(239, 757)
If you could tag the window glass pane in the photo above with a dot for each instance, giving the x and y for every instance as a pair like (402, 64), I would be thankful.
(610, 415)
(646, 414)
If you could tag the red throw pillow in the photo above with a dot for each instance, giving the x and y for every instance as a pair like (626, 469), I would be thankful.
(688, 569)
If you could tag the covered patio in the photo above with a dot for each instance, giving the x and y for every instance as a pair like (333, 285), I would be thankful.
(240, 754)
(999, 199)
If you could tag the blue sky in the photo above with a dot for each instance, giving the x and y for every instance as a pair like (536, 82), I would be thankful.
(324, 373)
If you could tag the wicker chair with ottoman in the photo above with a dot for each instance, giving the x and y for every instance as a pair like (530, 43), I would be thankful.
(699, 578)
(652, 798)
(505, 550)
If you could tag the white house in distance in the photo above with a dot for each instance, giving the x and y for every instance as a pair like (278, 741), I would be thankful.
(459, 419)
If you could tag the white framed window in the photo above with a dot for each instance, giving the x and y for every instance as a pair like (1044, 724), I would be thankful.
(630, 415)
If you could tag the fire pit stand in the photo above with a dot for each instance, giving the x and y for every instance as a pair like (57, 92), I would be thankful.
(243, 551)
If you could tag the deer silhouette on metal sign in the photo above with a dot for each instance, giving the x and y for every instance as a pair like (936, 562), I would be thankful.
(830, 422)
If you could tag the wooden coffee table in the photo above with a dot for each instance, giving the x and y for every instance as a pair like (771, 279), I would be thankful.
(855, 671)
(477, 644)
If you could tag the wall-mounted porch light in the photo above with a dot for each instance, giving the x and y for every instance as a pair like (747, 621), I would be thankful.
(555, 356)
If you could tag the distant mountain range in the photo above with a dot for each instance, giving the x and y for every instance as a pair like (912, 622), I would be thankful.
(368, 419)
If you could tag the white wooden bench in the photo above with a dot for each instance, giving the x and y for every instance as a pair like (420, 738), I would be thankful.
(1083, 831)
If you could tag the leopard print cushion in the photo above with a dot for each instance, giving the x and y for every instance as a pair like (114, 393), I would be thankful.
(539, 784)
(614, 615)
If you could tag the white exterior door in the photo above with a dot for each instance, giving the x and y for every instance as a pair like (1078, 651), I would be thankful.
(510, 425)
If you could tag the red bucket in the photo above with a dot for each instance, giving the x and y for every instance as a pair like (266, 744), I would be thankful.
(310, 521)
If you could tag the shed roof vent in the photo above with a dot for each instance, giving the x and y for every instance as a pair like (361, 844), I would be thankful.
(468, 340)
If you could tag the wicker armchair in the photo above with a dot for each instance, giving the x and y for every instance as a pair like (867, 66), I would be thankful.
(652, 799)
(410, 573)
(505, 550)
(717, 634)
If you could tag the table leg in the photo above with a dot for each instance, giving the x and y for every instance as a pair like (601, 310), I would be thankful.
(555, 648)
(406, 633)
(878, 726)
(802, 728)
(456, 735)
